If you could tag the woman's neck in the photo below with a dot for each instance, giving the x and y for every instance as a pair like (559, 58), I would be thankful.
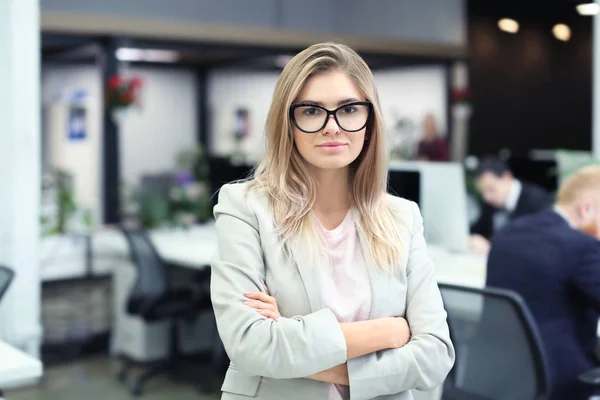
(333, 190)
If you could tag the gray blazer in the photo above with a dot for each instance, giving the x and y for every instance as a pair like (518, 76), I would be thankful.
(270, 359)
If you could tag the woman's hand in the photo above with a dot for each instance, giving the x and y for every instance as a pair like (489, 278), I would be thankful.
(263, 302)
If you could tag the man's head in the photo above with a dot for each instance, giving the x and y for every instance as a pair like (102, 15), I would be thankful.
(494, 181)
(579, 197)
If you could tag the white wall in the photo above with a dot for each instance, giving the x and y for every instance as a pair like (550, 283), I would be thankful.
(412, 93)
(167, 122)
(228, 89)
(20, 321)
(403, 92)
(81, 158)
(150, 137)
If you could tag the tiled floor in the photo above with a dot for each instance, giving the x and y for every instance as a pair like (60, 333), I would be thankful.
(94, 379)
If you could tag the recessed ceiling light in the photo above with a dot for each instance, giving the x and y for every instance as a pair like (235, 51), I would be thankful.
(148, 55)
(588, 8)
(562, 32)
(508, 25)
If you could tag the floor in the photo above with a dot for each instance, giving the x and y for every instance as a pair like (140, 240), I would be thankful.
(94, 379)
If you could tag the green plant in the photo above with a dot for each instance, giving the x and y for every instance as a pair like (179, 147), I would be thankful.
(194, 160)
(63, 183)
(154, 211)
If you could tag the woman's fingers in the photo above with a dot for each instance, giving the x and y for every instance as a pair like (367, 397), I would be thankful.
(261, 296)
(260, 305)
(269, 314)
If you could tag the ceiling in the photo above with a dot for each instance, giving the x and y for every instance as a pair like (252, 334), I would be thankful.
(58, 48)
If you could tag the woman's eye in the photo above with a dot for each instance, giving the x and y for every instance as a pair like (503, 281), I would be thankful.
(349, 109)
(311, 111)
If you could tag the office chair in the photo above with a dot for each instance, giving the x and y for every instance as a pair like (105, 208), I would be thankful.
(499, 353)
(153, 300)
(6, 277)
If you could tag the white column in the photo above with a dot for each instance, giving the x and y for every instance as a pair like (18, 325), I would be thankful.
(596, 87)
(20, 164)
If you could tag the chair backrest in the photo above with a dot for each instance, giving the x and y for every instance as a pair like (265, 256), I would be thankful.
(151, 270)
(6, 277)
(499, 351)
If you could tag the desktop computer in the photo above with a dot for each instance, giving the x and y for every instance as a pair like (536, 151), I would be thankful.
(442, 199)
(223, 171)
(405, 184)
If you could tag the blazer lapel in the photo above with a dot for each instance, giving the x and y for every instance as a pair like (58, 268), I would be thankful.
(309, 271)
(379, 279)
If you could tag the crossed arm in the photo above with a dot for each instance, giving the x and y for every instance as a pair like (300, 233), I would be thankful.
(363, 337)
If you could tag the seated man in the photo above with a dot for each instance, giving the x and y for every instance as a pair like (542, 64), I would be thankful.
(552, 259)
(505, 198)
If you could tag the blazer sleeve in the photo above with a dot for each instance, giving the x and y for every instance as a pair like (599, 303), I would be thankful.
(287, 348)
(484, 224)
(425, 361)
(586, 276)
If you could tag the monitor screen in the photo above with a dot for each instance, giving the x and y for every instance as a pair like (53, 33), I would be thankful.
(222, 171)
(541, 172)
(405, 184)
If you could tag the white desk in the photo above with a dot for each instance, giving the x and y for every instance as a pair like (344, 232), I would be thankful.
(194, 248)
(191, 248)
(463, 269)
(17, 368)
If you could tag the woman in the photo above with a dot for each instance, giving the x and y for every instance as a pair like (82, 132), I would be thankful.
(320, 273)
(432, 147)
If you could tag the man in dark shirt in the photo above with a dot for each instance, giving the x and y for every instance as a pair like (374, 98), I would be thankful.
(552, 259)
(505, 198)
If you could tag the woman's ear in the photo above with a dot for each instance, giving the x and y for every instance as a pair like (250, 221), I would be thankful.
(585, 209)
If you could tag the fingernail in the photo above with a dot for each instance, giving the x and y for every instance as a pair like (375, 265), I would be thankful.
(246, 302)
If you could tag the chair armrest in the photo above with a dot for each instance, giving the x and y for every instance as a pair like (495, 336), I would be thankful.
(591, 377)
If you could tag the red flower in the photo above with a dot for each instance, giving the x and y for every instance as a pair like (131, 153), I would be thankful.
(135, 83)
(128, 97)
(114, 82)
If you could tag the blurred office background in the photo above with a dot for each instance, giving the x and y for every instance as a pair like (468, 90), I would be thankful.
(121, 117)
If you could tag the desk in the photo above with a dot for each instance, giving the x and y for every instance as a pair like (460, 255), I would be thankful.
(17, 368)
(463, 269)
(194, 248)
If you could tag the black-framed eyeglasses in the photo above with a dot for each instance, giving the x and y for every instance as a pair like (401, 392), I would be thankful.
(311, 118)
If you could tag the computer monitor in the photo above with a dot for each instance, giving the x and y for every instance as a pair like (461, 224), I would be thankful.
(222, 171)
(541, 172)
(405, 184)
(443, 202)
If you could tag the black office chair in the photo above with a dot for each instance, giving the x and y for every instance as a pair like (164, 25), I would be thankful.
(6, 277)
(499, 353)
(153, 300)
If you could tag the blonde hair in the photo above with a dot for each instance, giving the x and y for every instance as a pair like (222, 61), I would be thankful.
(283, 174)
(584, 180)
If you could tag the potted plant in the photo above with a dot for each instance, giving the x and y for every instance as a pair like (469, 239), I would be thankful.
(121, 93)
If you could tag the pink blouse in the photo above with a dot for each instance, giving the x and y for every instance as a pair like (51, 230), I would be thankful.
(345, 281)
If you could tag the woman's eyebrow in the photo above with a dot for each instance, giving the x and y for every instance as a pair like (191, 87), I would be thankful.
(319, 103)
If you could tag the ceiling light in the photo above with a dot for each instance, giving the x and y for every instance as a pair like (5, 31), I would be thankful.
(562, 32)
(508, 25)
(148, 55)
(588, 8)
